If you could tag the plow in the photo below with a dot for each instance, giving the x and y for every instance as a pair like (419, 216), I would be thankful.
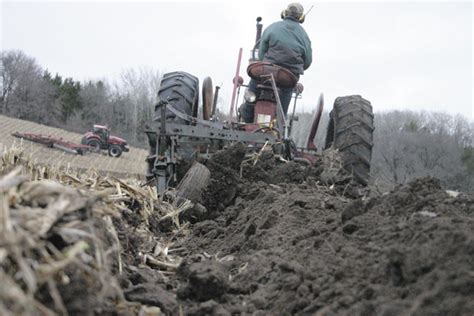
(182, 131)
(93, 141)
(54, 142)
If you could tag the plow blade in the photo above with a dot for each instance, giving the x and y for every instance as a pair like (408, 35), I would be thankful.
(314, 127)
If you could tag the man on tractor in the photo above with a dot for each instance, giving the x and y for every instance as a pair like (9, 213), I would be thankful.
(286, 44)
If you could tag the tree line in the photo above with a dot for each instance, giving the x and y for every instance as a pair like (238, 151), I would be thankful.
(29, 92)
(407, 144)
(410, 144)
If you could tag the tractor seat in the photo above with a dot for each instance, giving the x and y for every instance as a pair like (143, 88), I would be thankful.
(261, 71)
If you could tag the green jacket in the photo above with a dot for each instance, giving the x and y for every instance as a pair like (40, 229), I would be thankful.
(285, 43)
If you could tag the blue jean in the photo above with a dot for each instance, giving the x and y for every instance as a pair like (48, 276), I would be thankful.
(247, 109)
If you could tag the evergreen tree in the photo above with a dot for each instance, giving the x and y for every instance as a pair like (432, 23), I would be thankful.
(70, 99)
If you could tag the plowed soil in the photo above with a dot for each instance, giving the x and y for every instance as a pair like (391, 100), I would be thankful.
(295, 246)
(275, 238)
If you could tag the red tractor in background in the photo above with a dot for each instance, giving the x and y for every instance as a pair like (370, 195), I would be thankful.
(100, 139)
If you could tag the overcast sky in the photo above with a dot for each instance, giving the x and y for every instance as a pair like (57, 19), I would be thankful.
(399, 55)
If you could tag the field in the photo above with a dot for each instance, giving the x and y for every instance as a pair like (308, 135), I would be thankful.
(129, 164)
(265, 238)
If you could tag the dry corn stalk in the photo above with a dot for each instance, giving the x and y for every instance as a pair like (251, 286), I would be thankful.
(68, 207)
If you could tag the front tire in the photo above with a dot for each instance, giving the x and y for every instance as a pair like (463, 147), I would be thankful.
(350, 130)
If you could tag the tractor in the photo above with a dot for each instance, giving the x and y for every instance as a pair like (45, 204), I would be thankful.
(181, 132)
(99, 138)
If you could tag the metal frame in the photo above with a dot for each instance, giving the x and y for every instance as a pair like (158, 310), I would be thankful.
(199, 133)
(209, 136)
(51, 141)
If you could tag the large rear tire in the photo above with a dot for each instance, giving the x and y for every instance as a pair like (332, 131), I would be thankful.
(182, 91)
(95, 144)
(350, 130)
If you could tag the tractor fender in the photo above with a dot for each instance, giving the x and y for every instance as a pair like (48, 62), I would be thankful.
(90, 136)
(114, 140)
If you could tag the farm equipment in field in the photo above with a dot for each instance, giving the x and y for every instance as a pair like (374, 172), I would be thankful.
(99, 138)
(181, 134)
(54, 142)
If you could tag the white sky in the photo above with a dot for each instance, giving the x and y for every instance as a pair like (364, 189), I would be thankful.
(399, 55)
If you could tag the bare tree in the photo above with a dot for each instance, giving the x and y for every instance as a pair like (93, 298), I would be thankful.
(16, 68)
(24, 92)
(141, 88)
(414, 144)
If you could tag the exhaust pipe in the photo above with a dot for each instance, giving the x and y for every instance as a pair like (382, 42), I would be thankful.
(259, 31)
(257, 40)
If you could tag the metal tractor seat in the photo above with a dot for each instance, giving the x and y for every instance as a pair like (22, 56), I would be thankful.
(261, 71)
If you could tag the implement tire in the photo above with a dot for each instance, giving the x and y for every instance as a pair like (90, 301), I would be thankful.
(182, 91)
(194, 182)
(350, 130)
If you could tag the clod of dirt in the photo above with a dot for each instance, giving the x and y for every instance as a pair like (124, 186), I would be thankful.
(230, 157)
(352, 210)
(222, 188)
(154, 295)
(206, 280)
(210, 307)
(350, 228)
(142, 274)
